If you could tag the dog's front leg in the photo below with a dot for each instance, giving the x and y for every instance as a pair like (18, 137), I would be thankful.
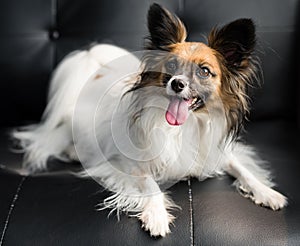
(155, 217)
(253, 187)
(141, 196)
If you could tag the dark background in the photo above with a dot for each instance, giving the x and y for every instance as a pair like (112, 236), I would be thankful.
(35, 35)
(56, 208)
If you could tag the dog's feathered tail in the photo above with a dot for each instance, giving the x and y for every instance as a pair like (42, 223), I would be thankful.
(40, 142)
(53, 135)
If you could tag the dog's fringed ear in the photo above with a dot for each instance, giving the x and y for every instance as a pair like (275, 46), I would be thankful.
(165, 28)
(235, 41)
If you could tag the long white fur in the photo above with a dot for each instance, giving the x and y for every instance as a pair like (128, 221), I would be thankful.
(53, 135)
(198, 148)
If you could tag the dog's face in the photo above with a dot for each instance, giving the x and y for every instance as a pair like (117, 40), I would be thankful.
(195, 74)
(192, 77)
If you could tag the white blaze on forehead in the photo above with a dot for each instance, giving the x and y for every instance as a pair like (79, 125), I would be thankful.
(180, 77)
(193, 47)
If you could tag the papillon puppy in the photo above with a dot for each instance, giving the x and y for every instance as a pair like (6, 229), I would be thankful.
(141, 123)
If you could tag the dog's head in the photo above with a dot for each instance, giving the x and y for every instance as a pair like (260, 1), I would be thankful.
(195, 74)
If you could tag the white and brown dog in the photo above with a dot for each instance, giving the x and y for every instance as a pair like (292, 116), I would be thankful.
(182, 114)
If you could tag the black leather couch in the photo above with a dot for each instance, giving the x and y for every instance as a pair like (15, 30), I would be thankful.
(56, 208)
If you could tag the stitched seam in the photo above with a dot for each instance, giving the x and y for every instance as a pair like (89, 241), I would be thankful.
(54, 26)
(191, 213)
(181, 5)
(11, 208)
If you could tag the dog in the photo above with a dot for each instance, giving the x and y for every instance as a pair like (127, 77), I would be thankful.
(176, 113)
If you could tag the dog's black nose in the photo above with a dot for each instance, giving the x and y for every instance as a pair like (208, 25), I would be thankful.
(178, 85)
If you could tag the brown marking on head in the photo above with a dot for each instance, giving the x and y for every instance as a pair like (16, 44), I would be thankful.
(234, 44)
(199, 54)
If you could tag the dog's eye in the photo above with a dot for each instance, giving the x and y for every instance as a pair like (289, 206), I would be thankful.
(171, 66)
(203, 72)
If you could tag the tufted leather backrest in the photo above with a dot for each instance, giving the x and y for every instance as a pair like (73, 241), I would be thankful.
(36, 34)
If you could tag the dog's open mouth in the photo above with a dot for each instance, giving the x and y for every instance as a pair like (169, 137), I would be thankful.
(178, 109)
(195, 103)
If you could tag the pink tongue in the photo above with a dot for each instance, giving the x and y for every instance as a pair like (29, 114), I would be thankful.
(177, 112)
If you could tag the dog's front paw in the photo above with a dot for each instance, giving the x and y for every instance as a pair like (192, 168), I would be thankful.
(268, 197)
(156, 220)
